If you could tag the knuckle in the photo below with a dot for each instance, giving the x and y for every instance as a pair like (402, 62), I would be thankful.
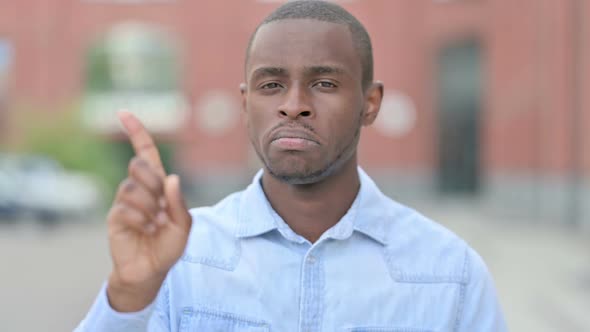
(142, 172)
(146, 147)
(133, 165)
(153, 183)
(130, 215)
(111, 214)
(139, 202)
(152, 206)
(127, 186)
(137, 218)
(123, 215)
(117, 212)
(158, 185)
(136, 165)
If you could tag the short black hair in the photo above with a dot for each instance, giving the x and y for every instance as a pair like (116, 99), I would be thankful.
(326, 12)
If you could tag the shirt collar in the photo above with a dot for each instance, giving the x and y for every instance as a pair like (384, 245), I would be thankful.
(255, 215)
(370, 214)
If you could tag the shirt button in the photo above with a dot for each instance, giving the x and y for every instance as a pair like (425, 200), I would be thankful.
(310, 259)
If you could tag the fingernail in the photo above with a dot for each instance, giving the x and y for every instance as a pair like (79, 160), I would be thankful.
(122, 113)
(175, 179)
(129, 123)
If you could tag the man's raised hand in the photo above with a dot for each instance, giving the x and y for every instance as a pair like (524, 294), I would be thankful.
(148, 224)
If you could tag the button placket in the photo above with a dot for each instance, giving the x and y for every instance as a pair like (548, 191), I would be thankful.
(311, 293)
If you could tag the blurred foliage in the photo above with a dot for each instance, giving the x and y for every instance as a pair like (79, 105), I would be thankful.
(124, 151)
(60, 135)
(98, 76)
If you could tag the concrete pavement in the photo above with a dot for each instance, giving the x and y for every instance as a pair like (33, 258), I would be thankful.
(542, 271)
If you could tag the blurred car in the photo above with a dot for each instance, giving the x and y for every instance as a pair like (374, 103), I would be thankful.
(8, 201)
(40, 187)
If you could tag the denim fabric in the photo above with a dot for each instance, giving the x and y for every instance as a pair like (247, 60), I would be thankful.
(382, 268)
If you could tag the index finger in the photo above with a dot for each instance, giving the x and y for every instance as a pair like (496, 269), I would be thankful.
(142, 141)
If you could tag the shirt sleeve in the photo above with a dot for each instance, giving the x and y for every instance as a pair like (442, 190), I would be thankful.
(103, 318)
(479, 308)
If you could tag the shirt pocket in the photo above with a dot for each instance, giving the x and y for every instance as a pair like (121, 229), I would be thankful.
(204, 319)
(384, 329)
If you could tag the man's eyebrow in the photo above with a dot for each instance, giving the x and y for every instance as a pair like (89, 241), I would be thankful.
(319, 70)
(268, 71)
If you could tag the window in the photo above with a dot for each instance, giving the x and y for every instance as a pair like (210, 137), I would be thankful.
(5, 65)
(460, 74)
(134, 67)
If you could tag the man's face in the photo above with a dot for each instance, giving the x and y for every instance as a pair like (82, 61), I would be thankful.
(303, 98)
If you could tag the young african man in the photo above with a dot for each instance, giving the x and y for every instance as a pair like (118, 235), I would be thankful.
(311, 244)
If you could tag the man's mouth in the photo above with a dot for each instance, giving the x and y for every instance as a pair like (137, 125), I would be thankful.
(290, 139)
(293, 143)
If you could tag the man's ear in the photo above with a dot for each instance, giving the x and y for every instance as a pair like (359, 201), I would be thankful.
(243, 90)
(244, 93)
(373, 96)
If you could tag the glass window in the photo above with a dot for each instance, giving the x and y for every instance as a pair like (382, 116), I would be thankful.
(5, 65)
(134, 67)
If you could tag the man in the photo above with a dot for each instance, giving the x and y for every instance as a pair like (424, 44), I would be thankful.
(311, 244)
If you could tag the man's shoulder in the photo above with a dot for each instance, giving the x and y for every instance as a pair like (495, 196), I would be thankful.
(226, 208)
(422, 250)
(212, 238)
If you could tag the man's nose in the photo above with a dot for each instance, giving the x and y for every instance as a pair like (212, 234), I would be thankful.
(296, 104)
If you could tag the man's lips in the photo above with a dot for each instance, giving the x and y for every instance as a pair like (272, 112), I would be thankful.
(293, 143)
(290, 139)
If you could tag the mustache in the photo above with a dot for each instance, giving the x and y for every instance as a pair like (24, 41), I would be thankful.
(299, 129)
(293, 125)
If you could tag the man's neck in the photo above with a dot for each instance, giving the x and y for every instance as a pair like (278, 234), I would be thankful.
(312, 209)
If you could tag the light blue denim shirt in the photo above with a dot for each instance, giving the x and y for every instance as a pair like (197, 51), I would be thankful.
(383, 267)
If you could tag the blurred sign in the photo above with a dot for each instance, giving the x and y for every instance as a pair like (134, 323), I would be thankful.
(161, 113)
(397, 116)
(217, 113)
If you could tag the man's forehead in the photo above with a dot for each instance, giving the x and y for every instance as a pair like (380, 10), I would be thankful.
(302, 43)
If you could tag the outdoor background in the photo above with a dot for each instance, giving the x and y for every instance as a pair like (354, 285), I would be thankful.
(485, 127)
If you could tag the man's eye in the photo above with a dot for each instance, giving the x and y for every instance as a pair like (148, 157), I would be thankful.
(325, 84)
(271, 85)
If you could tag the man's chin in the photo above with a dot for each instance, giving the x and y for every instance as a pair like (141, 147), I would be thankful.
(297, 177)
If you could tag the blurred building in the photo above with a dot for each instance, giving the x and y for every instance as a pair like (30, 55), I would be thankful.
(484, 98)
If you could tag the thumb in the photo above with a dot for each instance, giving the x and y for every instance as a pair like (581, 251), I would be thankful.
(176, 205)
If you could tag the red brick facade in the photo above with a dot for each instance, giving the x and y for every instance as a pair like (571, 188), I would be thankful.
(528, 48)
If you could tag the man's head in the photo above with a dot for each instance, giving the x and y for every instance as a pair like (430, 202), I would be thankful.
(309, 90)
(326, 12)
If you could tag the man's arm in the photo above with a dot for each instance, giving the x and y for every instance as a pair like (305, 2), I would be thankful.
(148, 228)
(102, 317)
(479, 310)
